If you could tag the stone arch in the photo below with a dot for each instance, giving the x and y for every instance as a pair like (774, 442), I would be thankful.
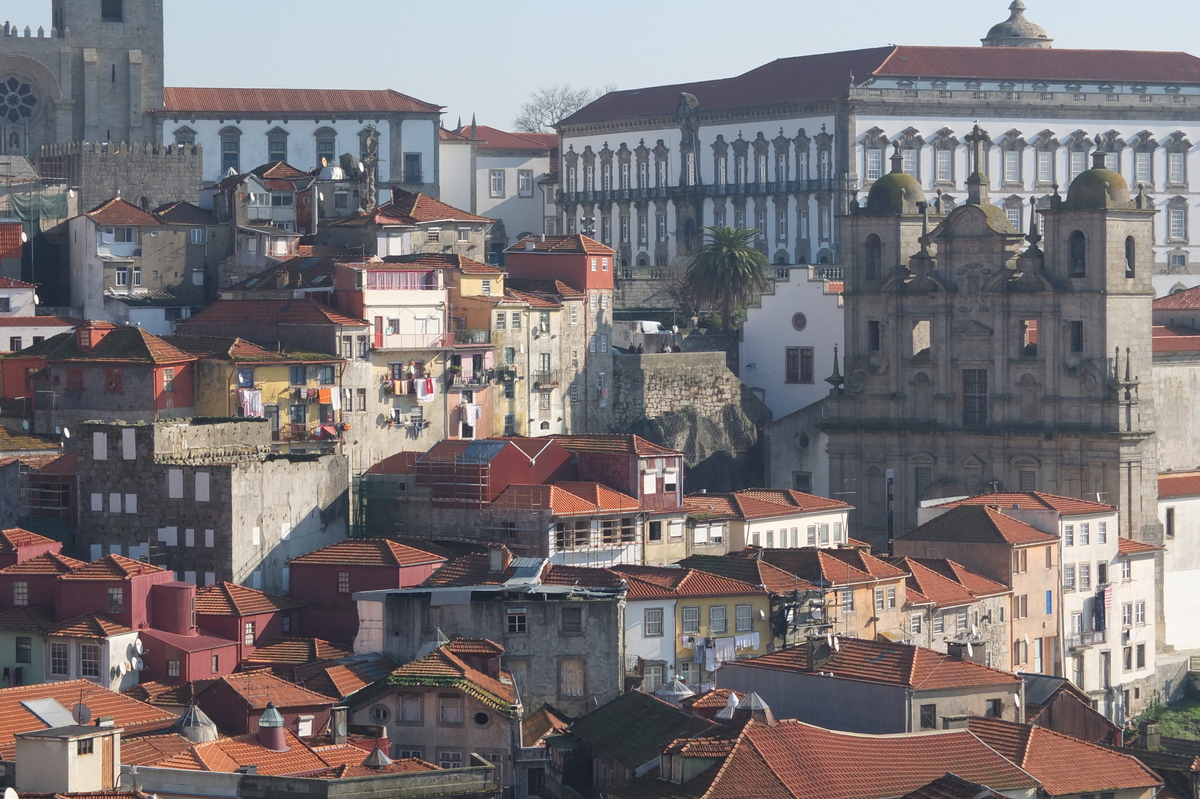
(781, 258)
(872, 257)
(922, 394)
(824, 256)
(1077, 254)
(1028, 391)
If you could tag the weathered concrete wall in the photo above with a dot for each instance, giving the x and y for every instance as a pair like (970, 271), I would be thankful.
(651, 385)
(1176, 386)
(158, 173)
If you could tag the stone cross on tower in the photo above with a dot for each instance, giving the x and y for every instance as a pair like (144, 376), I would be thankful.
(977, 182)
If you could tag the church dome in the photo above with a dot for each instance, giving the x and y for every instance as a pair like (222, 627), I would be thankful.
(1017, 31)
(895, 192)
(1098, 188)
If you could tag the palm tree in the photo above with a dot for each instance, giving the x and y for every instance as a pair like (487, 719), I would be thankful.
(728, 271)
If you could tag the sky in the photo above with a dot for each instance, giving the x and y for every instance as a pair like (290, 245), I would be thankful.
(485, 57)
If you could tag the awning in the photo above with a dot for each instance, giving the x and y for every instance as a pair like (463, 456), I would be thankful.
(896, 636)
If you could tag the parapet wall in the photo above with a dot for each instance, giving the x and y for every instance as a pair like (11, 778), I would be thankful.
(652, 385)
(157, 173)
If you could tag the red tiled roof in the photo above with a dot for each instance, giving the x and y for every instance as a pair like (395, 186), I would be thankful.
(130, 714)
(888, 663)
(1064, 765)
(407, 208)
(432, 260)
(46, 563)
(150, 749)
(806, 503)
(12, 282)
(1035, 500)
(10, 240)
(575, 244)
(974, 582)
(1127, 547)
(90, 626)
(445, 134)
(241, 351)
(119, 345)
(749, 570)
(400, 463)
(716, 698)
(1186, 300)
(566, 499)
(474, 569)
(533, 300)
(119, 213)
(178, 100)
(112, 567)
(295, 652)
(653, 581)
(15, 538)
(1178, 484)
(161, 693)
(755, 503)
(40, 321)
(368, 552)
(260, 687)
(793, 760)
(26, 618)
(494, 139)
(227, 755)
(1175, 338)
(631, 444)
(825, 565)
(184, 213)
(827, 76)
(952, 786)
(230, 599)
(938, 587)
(289, 311)
(978, 524)
(444, 668)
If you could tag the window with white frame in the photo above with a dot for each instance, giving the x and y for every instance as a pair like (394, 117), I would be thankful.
(1177, 224)
(945, 166)
(1139, 613)
(20, 593)
(1143, 167)
(909, 161)
(496, 185)
(1078, 163)
(874, 163)
(59, 659)
(89, 660)
(691, 620)
(718, 621)
(1045, 166)
(1012, 166)
(524, 182)
(1177, 168)
(450, 709)
(653, 622)
(744, 618)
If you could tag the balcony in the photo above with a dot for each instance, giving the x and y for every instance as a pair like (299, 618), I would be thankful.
(547, 379)
(1083, 640)
(412, 341)
(307, 439)
(769, 187)
(471, 382)
(469, 338)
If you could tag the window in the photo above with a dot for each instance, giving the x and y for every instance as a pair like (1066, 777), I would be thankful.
(874, 164)
(929, 717)
(24, 649)
(59, 654)
(995, 708)
(450, 759)
(1177, 221)
(847, 596)
(1027, 480)
(231, 149)
(343, 582)
(112, 11)
(878, 600)
(744, 618)
(874, 336)
(1069, 535)
(412, 168)
(450, 709)
(909, 162)
(326, 375)
(1077, 254)
(1127, 658)
(1045, 166)
(515, 320)
(525, 183)
(1085, 534)
(1085, 576)
(1101, 573)
(122, 277)
(691, 620)
(1130, 257)
(653, 621)
(116, 599)
(1076, 335)
(914, 624)
(248, 633)
(661, 227)
(891, 595)
(1127, 569)
(1170, 523)
(410, 709)
(496, 183)
(1177, 168)
(717, 621)
(939, 624)
(89, 660)
(1139, 613)
(85, 746)
(945, 166)
(571, 620)
(1141, 656)
(571, 677)
(197, 236)
(1014, 217)
(922, 480)
(245, 378)
(798, 362)
(518, 622)
(20, 594)
(1078, 163)
(1142, 172)
(216, 664)
(1012, 166)
(975, 397)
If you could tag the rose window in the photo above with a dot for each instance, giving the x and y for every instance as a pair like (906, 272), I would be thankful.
(17, 102)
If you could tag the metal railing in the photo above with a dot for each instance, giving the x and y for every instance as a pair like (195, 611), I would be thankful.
(466, 338)
(704, 190)
(1085, 639)
(469, 382)
(550, 378)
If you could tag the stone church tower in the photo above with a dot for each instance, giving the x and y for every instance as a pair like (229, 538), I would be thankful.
(94, 76)
(977, 360)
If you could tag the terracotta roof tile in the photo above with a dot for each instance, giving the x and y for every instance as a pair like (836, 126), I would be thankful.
(749, 570)
(178, 100)
(716, 699)
(649, 581)
(40, 321)
(368, 552)
(576, 244)
(825, 566)
(27, 618)
(1175, 338)
(888, 663)
(238, 350)
(952, 786)
(227, 755)
(161, 693)
(119, 213)
(544, 722)
(133, 716)
(47, 563)
(16, 538)
(11, 282)
(184, 213)
(284, 311)
(1064, 765)
(230, 599)
(489, 138)
(944, 583)
(566, 499)
(1186, 300)
(630, 444)
(444, 668)
(151, 749)
(1178, 484)
(400, 463)
(407, 208)
(1035, 500)
(112, 567)
(119, 345)
(10, 240)
(294, 652)
(332, 679)
(806, 503)
(259, 687)
(978, 524)
(89, 626)
(1128, 546)
(474, 569)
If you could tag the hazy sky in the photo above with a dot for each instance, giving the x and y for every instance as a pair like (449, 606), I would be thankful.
(486, 56)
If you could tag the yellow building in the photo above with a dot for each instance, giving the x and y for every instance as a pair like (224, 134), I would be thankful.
(683, 623)
(298, 392)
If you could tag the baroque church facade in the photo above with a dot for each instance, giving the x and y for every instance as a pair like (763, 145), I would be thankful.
(977, 357)
(786, 147)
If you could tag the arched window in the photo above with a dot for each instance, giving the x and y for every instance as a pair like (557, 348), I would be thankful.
(1077, 254)
(1130, 257)
(277, 145)
(873, 253)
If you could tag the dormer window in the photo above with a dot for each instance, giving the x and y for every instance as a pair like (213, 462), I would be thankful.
(1107, 88)
(940, 84)
(1074, 87)
(83, 339)
(974, 85)
(1008, 86)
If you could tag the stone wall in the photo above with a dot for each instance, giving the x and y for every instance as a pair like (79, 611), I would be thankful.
(158, 173)
(652, 385)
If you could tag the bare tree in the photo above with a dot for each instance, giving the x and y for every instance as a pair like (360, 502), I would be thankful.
(549, 105)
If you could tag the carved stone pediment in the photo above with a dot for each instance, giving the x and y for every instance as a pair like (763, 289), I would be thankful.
(973, 329)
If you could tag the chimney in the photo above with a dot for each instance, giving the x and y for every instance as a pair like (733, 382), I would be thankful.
(337, 724)
(270, 729)
(499, 558)
(1150, 736)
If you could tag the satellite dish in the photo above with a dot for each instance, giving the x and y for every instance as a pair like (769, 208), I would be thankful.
(138, 665)
(762, 614)
(970, 650)
(124, 668)
(66, 432)
(24, 424)
(974, 631)
(836, 646)
(81, 714)
(9, 793)
(137, 644)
